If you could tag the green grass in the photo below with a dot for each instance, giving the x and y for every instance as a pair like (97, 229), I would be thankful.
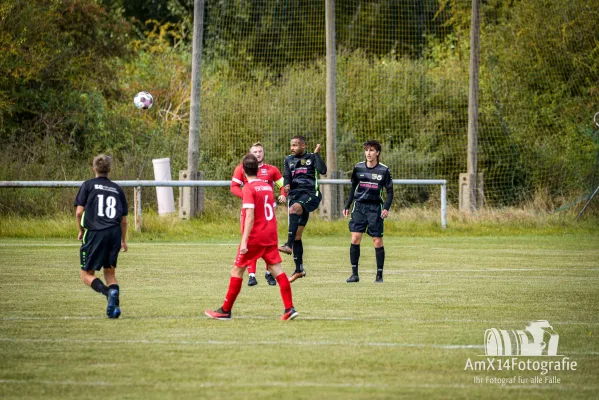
(218, 223)
(410, 336)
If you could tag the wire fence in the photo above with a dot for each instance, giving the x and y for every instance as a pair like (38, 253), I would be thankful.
(137, 185)
(402, 78)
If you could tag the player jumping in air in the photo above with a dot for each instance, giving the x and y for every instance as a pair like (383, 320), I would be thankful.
(301, 182)
(102, 220)
(368, 213)
(259, 240)
(268, 174)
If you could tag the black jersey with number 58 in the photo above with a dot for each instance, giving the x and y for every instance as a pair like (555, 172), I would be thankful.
(368, 184)
(104, 202)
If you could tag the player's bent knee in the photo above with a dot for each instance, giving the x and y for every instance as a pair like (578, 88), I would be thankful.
(378, 241)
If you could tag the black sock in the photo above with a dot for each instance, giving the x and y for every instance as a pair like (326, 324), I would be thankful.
(99, 286)
(380, 260)
(293, 226)
(354, 257)
(298, 255)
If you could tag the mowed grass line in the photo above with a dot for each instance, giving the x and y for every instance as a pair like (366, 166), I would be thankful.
(410, 336)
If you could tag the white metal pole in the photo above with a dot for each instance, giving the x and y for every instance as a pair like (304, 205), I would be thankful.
(137, 200)
(443, 206)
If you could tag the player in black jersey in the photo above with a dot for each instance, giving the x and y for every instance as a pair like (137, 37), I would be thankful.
(301, 182)
(102, 220)
(368, 180)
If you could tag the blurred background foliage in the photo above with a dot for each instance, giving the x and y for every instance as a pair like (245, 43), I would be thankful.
(69, 70)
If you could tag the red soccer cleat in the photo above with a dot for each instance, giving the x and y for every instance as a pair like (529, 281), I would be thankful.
(289, 314)
(219, 314)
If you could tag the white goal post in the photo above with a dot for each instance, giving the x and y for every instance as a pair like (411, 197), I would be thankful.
(139, 184)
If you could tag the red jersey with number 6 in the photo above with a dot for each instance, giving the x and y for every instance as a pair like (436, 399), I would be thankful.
(260, 197)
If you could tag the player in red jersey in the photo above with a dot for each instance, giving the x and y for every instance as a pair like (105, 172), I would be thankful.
(258, 240)
(269, 174)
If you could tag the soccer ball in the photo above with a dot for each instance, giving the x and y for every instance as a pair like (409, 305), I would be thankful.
(143, 100)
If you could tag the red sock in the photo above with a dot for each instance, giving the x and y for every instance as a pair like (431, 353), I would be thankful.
(252, 268)
(234, 289)
(285, 288)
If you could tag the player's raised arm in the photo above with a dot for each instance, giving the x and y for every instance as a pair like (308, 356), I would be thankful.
(320, 166)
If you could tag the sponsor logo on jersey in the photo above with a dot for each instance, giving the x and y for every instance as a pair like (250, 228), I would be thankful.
(261, 188)
(308, 162)
(303, 170)
(377, 177)
(106, 188)
(369, 185)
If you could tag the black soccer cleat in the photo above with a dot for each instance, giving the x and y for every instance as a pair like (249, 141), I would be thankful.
(270, 279)
(112, 309)
(379, 279)
(252, 281)
(353, 278)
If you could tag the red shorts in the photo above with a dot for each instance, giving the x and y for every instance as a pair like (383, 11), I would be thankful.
(270, 254)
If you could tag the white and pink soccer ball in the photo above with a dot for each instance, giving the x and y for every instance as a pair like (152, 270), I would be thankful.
(143, 100)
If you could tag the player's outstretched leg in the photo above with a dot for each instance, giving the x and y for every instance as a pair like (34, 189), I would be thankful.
(224, 313)
(354, 258)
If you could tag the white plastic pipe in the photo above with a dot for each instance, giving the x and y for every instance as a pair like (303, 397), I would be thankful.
(165, 196)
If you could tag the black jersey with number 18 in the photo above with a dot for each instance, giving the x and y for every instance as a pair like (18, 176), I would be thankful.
(104, 202)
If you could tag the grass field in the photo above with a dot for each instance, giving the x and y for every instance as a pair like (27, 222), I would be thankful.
(410, 337)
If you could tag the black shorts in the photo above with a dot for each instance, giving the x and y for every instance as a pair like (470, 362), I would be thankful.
(100, 248)
(366, 217)
(309, 203)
